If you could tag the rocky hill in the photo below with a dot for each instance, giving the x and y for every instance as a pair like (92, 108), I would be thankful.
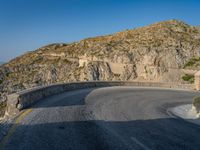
(161, 52)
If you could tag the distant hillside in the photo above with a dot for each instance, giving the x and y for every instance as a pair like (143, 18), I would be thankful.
(160, 52)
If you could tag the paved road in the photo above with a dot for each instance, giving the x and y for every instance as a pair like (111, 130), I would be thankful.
(108, 119)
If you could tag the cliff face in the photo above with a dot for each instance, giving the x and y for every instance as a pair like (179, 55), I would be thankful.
(159, 52)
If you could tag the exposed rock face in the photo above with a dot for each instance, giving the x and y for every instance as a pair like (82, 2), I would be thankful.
(154, 53)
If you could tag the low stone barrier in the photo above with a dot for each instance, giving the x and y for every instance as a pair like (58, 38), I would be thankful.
(26, 98)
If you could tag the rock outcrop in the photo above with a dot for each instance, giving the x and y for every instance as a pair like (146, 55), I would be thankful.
(156, 52)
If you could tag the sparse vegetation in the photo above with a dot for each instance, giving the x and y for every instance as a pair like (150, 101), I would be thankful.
(116, 75)
(192, 62)
(66, 61)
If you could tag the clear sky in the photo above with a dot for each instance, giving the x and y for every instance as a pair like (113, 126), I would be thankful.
(29, 24)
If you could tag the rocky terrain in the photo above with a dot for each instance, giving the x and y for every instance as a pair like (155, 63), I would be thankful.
(163, 52)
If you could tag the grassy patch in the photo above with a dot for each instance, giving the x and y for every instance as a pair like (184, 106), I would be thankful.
(188, 77)
(196, 103)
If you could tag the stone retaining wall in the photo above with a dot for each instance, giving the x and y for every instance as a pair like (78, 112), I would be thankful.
(24, 99)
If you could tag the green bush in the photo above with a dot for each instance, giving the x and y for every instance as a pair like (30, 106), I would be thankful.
(196, 103)
(188, 77)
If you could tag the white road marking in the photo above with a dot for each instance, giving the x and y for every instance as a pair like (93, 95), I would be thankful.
(140, 144)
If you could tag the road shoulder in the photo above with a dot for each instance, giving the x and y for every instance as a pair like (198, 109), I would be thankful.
(185, 112)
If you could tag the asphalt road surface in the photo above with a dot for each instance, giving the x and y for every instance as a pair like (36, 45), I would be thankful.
(111, 118)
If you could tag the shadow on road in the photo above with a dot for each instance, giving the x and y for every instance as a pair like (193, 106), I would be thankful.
(158, 134)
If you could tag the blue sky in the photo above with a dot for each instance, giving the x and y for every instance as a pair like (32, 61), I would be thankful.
(29, 24)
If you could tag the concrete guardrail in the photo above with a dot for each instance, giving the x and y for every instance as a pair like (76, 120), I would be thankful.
(26, 98)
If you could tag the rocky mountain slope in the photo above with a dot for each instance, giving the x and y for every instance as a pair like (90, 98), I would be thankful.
(159, 52)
